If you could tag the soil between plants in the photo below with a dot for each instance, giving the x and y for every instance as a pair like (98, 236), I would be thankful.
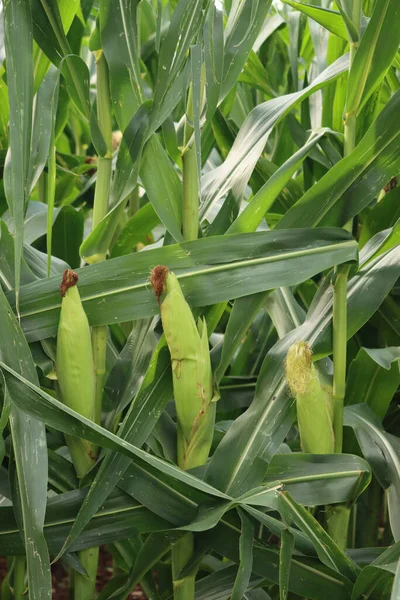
(60, 577)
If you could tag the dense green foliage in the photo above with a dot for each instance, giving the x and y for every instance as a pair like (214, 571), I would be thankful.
(252, 147)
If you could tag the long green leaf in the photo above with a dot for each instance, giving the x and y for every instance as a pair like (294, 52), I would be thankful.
(382, 450)
(396, 584)
(246, 557)
(137, 425)
(235, 172)
(352, 184)
(376, 574)
(373, 378)
(30, 451)
(19, 51)
(330, 19)
(328, 552)
(242, 29)
(285, 559)
(240, 461)
(308, 578)
(120, 517)
(250, 218)
(376, 52)
(118, 24)
(344, 476)
(43, 123)
(38, 403)
(210, 270)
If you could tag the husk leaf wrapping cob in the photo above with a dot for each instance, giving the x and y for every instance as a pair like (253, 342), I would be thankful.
(74, 366)
(194, 399)
(313, 401)
(191, 370)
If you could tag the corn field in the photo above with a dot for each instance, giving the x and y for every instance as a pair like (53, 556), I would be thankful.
(199, 299)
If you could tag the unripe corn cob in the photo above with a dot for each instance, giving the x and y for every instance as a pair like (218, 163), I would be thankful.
(313, 401)
(191, 370)
(74, 366)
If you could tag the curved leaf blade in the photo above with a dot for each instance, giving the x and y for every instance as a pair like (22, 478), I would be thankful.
(210, 270)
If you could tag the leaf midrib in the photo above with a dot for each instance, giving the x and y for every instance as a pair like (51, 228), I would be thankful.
(211, 269)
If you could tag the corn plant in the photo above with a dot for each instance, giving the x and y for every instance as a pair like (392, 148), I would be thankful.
(199, 317)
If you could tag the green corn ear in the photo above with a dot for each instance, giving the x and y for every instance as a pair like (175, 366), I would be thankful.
(75, 369)
(313, 401)
(191, 370)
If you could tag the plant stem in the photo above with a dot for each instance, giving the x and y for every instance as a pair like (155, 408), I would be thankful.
(85, 586)
(349, 134)
(100, 209)
(338, 516)
(190, 180)
(50, 197)
(182, 551)
(99, 345)
(339, 351)
(102, 191)
(19, 577)
(134, 201)
(340, 292)
(337, 521)
(190, 206)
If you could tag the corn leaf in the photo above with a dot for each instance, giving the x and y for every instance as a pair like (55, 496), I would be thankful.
(211, 270)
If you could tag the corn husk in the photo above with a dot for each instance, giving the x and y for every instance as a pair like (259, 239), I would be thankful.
(75, 369)
(313, 401)
(191, 370)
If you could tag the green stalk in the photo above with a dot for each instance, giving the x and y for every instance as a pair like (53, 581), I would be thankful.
(19, 577)
(83, 454)
(99, 344)
(338, 516)
(102, 191)
(337, 523)
(194, 397)
(349, 134)
(85, 586)
(190, 204)
(182, 551)
(50, 197)
(339, 351)
(100, 209)
(190, 179)
(134, 201)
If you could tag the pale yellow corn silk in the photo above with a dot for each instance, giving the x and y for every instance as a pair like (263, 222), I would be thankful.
(191, 370)
(313, 401)
(299, 370)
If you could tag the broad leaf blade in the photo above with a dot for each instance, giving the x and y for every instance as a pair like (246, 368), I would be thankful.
(19, 52)
(376, 52)
(210, 270)
(30, 452)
